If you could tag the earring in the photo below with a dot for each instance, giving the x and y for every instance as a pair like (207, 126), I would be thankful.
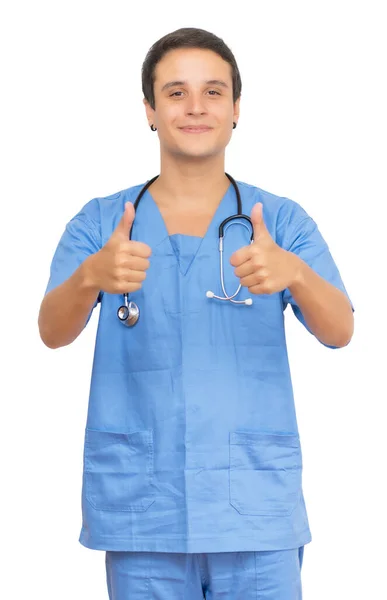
(153, 128)
(234, 125)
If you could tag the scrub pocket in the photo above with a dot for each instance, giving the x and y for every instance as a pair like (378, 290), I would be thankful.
(265, 473)
(118, 470)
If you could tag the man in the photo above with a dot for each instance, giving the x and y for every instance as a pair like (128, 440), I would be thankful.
(192, 464)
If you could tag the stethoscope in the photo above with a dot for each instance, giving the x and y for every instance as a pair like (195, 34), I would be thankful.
(129, 312)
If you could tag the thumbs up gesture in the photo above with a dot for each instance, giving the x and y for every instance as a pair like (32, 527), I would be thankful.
(120, 266)
(263, 266)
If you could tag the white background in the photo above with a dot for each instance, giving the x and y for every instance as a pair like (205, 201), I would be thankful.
(312, 128)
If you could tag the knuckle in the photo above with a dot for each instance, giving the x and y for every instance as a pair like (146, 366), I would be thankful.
(119, 258)
(123, 271)
(254, 250)
(136, 276)
(140, 249)
(130, 261)
(116, 273)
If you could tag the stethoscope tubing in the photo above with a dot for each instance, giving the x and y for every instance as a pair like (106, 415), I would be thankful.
(230, 221)
(129, 312)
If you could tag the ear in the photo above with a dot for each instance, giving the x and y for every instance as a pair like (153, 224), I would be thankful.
(150, 113)
(236, 110)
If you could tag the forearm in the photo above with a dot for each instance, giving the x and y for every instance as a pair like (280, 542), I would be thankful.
(64, 310)
(326, 309)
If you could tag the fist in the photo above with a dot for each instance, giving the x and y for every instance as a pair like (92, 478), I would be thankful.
(121, 264)
(263, 266)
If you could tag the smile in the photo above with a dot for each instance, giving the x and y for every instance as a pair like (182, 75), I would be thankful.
(195, 129)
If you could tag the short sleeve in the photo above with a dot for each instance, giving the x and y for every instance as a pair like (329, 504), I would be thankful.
(306, 241)
(80, 239)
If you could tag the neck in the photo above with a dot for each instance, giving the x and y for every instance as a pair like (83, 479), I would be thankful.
(184, 184)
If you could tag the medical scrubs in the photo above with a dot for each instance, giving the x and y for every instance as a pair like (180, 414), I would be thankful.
(265, 575)
(191, 439)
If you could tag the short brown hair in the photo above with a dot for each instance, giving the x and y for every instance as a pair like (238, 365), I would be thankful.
(186, 37)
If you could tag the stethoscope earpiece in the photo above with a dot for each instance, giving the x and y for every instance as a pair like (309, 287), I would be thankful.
(248, 301)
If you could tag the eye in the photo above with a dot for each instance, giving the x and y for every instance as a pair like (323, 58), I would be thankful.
(180, 92)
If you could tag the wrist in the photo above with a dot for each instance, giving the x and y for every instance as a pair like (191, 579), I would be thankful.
(296, 270)
(88, 274)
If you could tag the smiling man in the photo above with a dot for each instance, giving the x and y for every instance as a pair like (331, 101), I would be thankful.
(192, 478)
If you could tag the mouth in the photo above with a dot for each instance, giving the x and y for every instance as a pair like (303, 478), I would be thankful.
(196, 129)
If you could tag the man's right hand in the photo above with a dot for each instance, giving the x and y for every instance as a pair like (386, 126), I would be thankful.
(119, 267)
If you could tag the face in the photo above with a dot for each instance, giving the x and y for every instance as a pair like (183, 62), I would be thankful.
(193, 87)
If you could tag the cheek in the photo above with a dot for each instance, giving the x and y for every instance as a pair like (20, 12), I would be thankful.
(173, 114)
(225, 111)
(225, 118)
(169, 116)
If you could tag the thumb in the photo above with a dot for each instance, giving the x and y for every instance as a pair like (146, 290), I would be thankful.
(126, 221)
(258, 222)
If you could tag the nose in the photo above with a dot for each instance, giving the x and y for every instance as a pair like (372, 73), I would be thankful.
(195, 104)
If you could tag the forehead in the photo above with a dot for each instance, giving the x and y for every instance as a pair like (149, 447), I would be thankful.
(193, 65)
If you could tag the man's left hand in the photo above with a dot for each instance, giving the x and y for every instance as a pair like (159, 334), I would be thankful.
(263, 266)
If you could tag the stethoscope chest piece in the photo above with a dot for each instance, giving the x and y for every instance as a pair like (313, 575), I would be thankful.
(128, 313)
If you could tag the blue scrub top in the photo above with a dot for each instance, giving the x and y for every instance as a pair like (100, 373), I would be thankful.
(191, 439)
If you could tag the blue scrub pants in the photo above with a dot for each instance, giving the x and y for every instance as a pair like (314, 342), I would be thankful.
(263, 575)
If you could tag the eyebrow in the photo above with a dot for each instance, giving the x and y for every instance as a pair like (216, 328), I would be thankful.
(210, 82)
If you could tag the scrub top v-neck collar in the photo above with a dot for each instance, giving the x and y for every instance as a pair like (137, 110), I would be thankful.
(185, 248)
(149, 227)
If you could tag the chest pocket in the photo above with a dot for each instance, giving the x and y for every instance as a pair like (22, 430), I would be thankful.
(265, 473)
(118, 470)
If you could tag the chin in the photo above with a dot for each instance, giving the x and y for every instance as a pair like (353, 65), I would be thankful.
(197, 155)
(198, 152)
